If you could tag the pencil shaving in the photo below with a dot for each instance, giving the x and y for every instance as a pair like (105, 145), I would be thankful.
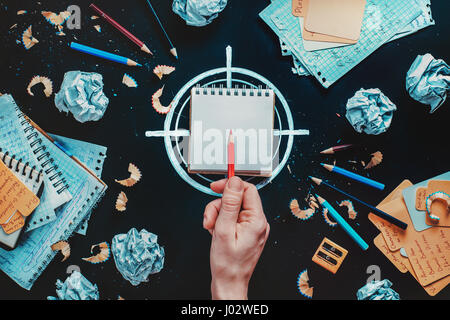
(135, 176)
(56, 20)
(162, 70)
(351, 210)
(377, 157)
(28, 40)
(98, 28)
(62, 246)
(304, 214)
(438, 196)
(327, 219)
(129, 81)
(102, 256)
(121, 202)
(94, 17)
(303, 285)
(48, 85)
(156, 103)
(21, 12)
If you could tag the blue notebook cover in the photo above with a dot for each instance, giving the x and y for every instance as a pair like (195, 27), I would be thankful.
(25, 263)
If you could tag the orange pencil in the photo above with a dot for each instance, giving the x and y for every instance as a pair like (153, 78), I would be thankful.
(230, 153)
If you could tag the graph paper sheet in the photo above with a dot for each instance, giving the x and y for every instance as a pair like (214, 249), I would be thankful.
(382, 21)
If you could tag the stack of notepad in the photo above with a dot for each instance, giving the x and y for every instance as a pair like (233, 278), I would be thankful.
(423, 249)
(71, 190)
(327, 38)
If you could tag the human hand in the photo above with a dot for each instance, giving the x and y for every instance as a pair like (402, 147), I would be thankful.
(239, 232)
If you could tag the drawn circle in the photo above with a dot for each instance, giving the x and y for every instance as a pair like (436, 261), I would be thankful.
(170, 116)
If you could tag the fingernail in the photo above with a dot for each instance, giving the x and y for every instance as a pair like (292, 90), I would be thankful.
(235, 184)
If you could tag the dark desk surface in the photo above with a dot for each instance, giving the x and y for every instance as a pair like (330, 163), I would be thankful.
(415, 147)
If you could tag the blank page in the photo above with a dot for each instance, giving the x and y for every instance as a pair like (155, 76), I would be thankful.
(216, 111)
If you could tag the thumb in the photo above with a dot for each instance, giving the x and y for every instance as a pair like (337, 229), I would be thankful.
(231, 205)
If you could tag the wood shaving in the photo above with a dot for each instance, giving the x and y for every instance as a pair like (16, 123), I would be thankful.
(62, 246)
(156, 103)
(135, 176)
(21, 12)
(377, 157)
(303, 285)
(28, 40)
(121, 202)
(98, 28)
(304, 214)
(94, 17)
(54, 19)
(48, 85)
(330, 222)
(129, 81)
(162, 70)
(351, 210)
(102, 256)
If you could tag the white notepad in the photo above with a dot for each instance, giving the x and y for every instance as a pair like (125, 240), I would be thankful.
(249, 113)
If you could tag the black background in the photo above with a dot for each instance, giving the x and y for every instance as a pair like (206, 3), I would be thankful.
(415, 147)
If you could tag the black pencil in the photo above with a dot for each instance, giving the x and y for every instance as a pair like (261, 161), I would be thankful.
(375, 210)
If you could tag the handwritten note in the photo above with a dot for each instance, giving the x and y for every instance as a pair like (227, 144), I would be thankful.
(14, 196)
(15, 223)
(421, 195)
(299, 7)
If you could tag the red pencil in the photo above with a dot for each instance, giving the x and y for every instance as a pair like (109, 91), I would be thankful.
(332, 150)
(230, 153)
(124, 31)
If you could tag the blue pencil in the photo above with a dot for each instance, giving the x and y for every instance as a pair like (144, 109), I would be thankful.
(347, 228)
(354, 176)
(104, 54)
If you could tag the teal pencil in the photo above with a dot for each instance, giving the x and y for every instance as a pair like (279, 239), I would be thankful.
(347, 228)
(103, 54)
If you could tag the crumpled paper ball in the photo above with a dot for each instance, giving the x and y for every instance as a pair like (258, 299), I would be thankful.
(198, 13)
(82, 94)
(76, 287)
(137, 255)
(427, 81)
(370, 111)
(377, 290)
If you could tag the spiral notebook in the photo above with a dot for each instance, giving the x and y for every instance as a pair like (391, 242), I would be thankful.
(29, 176)
(248, 112)
(25, 263)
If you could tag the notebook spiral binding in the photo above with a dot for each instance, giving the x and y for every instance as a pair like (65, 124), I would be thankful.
(40, 152)
(13, 164)
(236, 91)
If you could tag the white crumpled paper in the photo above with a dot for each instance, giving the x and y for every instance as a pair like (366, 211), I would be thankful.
(137, 255)
(370, 111)
(76, 287)
(428, 81)
(198, 13)
(82, 94)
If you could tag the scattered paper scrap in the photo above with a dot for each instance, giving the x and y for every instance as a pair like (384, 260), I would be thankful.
(428, 81)
(303, 285)
(370, 111)
(377, 157)
(162, 70)
(76, 287)
(82, 94)
(156, 103)
(198, 13)
(48, 85)
(377, 290)
(327, 219)
(129, 81)
(137, 255)
(28, 40)
(351, 210)
(304, 214)
(98, 28)
(62, 246)
(121, 202)
(135, 176)
(102, 256)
